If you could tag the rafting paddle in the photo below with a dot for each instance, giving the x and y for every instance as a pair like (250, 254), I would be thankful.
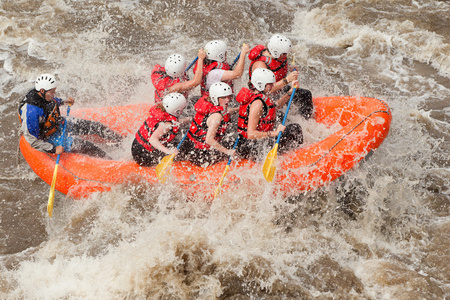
(51, 196)
(269, 166)
(226, 170)
(164, 166)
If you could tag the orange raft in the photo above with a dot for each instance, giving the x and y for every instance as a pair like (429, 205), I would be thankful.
(364, 124)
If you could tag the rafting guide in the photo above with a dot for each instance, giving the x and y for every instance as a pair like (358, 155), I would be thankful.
(42, 123)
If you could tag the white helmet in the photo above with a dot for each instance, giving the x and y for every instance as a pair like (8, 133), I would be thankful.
(217, 90)
(216, 50)
(175, 65)
(174, 103)
(261, 77)
(45, 81)
(279, 44)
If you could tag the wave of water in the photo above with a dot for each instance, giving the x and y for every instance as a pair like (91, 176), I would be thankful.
(379, 232)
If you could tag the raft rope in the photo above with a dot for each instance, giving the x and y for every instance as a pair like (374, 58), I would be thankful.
(350, 131)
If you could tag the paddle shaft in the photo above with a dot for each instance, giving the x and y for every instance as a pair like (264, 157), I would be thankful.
(182, 140)
(235, 60)
(226, 168)
(63, 134)
(234, 147)
(191, 64)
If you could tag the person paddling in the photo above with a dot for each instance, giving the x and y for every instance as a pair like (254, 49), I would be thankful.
(274, 58)
(42, 123)
(153, 139)
(257, 117)
(208, 127)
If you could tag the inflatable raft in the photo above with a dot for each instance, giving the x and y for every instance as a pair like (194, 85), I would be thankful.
(364, 124)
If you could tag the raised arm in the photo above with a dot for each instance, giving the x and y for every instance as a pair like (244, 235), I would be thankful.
(189, 85)
(239, 70)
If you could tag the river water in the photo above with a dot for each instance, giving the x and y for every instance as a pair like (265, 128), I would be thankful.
(379, 232)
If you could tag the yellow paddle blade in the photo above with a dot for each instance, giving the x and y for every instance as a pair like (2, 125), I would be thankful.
(221, 181)
(270, 164)
(51, 196)
(163, 167)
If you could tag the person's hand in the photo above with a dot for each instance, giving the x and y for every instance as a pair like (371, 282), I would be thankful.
(245, 49)
(59, 150)
(201, 54)
(69, 101)
(292, 76)
(231, 152)
(295, 84)
(280, 128)
(174, 151)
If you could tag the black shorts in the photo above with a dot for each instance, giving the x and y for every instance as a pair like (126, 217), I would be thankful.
(199, 157)
(144, 157)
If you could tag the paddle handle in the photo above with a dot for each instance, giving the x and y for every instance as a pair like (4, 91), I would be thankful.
(290, 101)
(191, 64)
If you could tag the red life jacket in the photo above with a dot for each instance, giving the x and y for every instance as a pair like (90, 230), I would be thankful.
(156, 116)
(267, 121)
(278, 67)
(162, 82)
(208, 68)
(198, 129)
